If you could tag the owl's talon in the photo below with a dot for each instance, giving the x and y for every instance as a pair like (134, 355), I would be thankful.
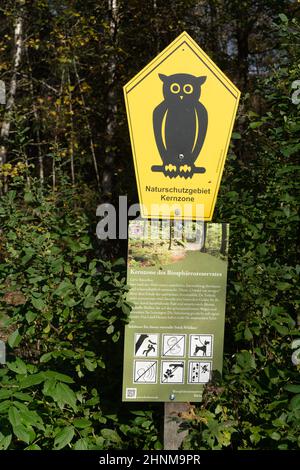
(185, 168)
(170, 167)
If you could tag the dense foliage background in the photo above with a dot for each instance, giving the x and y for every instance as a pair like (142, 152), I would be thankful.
(65, 149)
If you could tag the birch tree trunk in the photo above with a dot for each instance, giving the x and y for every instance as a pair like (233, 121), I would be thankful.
(2, 92)
(112, 106)
(18, 44)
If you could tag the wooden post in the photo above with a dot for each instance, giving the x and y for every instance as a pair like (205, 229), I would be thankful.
(2, 352)
(172, 438)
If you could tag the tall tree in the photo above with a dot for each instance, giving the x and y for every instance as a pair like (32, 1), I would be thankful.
(18, 47)
(111, 123)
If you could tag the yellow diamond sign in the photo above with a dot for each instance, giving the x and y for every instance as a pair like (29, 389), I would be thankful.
(181, 110)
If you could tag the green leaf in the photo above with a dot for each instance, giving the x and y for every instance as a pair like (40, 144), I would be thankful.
(246, 360)
(82, 423)
(49, 388)
(28, 256)
(295, 344)
(262, 249)
(51, 374)
(5, 442)
(110, 435)
(22, 396)
(28, 196)
(289, 150)
(33, 447)
(79, 282)
(82, 444)
(89, 302)
(146, 424)
(30, 316)
(39, 304)
(233, 195)
(23, 433)
(65, 288)
(14, 339)
(18, 366)
(118, 262)
(30, 380)
(295, 402)
(70, 302)
(292, 388)
(14, 416)
(65, 396)
(284, 285)
(5, 393)
(116, 336)
(88, 291)
(31, 418)
(255, 125)
(126, 309)
(158, 445)
(4, 406)
(95, 314)
(91, 366)
(283, 18)
(283, 330)
(275, 436)
(46, 357)
(110, 329)
(236, 135)
(247, 334)
(64, 437)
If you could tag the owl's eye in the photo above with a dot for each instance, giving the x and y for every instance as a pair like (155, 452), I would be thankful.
(188, 89)
(175, 88)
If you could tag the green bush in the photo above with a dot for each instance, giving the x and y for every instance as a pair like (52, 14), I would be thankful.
(62, 313)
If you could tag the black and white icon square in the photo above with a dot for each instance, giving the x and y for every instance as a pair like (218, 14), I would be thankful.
(145, 345)
(199, 372)
(145, 372)
(172, 372)
(201, 346)
(173, 345)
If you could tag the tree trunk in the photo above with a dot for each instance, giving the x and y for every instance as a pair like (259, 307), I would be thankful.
(224, 240)
(37, 120)
(145, 226)
(214, 29)
(242, 35)
(92, 147)
(18, 43)
(203, 240)
(171, 222)
(2, 92)
(71, 137)
(183, 232)
(111, 124)
(55, 147)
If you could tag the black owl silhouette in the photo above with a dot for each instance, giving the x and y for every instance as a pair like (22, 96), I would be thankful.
(180, 125)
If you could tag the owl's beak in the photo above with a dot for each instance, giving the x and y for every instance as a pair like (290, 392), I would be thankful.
(181, 97)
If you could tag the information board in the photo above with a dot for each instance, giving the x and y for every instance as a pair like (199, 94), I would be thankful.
(174, 340)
